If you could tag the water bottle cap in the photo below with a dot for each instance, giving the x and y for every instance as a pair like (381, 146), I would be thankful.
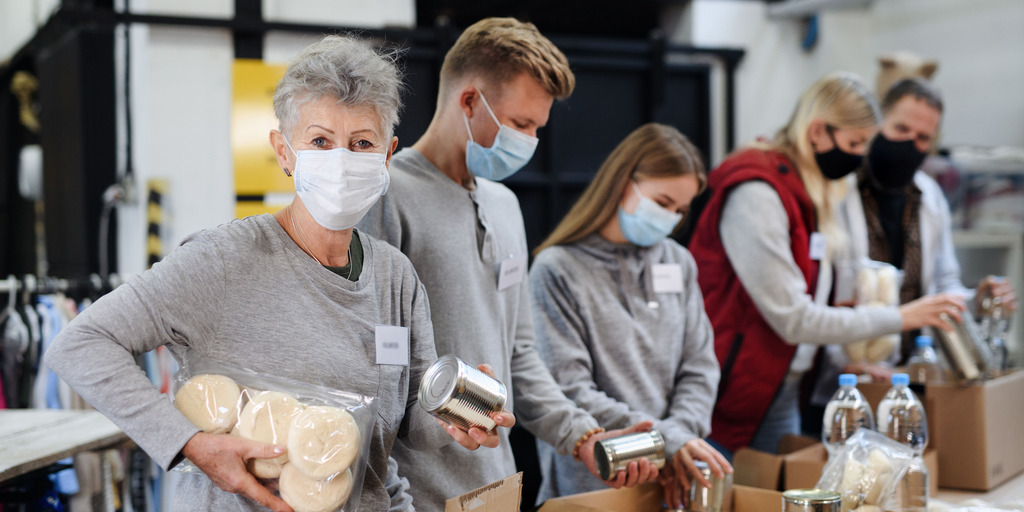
(847, 379)
(923, 341)
(900, 379)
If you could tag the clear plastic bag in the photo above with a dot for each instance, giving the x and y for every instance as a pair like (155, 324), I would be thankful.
(877, 284)
(326, 431)
(865, 470)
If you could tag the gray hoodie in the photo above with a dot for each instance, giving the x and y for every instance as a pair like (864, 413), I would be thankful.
(620, 346)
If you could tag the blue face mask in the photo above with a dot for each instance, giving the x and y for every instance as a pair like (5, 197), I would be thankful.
(649, 223)
(509, 153)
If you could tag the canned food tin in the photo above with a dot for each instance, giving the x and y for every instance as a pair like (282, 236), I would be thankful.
(716, 499)
(614, 454)
(810, 500)
(460, 394)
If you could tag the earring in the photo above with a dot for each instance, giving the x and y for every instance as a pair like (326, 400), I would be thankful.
(285, 169)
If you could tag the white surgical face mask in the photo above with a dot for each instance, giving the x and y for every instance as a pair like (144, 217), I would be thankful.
(339, 186)
(509, 153)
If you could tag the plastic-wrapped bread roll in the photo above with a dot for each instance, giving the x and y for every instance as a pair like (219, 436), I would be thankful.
(880, 348)
(867, 286)
(856, 351)
(322, 441)
(888, 285)
(868, 508)
(850, 485)
(878, 472)
(210, 402)
(306, 494)
(267, 418)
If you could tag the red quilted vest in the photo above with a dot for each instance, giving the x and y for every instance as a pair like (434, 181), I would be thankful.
(753, 358)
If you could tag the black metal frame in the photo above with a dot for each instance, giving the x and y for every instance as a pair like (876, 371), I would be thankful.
(428, 45)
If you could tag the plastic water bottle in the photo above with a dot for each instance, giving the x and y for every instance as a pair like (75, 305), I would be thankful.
(847, 411)
(923, 365)
(901, 417)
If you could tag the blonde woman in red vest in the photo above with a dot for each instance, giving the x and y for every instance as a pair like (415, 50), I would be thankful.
(763, 240)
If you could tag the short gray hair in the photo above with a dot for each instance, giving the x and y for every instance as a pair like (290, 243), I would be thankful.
(344, 67)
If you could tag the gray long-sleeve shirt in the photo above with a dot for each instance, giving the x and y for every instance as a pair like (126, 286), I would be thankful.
(621, 346)
(245, 294)
(457, 240)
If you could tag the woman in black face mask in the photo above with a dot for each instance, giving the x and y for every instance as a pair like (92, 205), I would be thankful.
(763, 239)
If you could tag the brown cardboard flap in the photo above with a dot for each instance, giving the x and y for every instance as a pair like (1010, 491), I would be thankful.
(755, 468)
(750, 499)
(804, 467)
(500, 496)
(647, 497)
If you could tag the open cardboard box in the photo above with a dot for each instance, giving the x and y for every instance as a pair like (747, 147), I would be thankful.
(649, 497)
(975, 429)
(804, 468)
(762, 470)
(500, 496)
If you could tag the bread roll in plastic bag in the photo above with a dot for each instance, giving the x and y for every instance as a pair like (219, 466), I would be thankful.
(865, 470)
(878, 284)
(326, 431)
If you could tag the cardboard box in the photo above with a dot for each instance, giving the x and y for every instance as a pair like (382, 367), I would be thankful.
(804, 468)
(645, 498)
(762, 470)
(501, 496)
(751, 499)
(649, 498)
(975, 428)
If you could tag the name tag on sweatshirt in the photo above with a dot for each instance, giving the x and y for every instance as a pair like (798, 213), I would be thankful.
(512, 271)
(392, 344)
(818, 245)
(667, 278)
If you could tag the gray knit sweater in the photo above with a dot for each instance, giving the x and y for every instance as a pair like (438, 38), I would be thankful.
(620, 349)
(246, 294)
(457, 239)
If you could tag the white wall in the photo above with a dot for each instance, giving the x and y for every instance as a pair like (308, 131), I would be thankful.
(18, 22)
(979, 45)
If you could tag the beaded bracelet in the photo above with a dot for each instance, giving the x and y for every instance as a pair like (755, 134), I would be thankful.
(591, 432)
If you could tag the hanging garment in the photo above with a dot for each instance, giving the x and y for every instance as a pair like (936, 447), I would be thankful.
(15, 343)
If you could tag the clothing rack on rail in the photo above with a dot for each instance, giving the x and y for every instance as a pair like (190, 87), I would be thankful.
(92, 286)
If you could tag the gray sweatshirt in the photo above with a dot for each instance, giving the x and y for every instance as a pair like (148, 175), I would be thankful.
(244, 293)
(621, 346)
(457, 240)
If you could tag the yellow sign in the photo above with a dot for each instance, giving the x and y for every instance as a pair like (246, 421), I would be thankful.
(252, 118)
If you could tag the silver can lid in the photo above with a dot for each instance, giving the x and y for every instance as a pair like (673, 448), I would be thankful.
(811, 496)
(439, 382)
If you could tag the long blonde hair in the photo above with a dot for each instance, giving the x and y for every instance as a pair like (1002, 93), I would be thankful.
(841, 100)
(651, 151)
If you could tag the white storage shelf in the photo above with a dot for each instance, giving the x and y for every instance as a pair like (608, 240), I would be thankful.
(984, 253)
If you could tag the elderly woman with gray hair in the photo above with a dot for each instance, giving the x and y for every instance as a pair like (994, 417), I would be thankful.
(296, 294)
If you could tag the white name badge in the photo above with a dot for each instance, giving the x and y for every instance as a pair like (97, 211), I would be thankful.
(512, 271)
(667, 278)
(818, 245)
(392, 344)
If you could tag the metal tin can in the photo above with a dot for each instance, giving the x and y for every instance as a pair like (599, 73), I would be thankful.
(810, 500)
(614, 454)
(460, 394)
(716, 499)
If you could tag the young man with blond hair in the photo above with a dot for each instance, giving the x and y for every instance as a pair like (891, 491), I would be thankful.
(464, 233)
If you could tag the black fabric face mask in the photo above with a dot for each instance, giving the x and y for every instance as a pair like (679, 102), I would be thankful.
(836, 163)
(892, 164)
